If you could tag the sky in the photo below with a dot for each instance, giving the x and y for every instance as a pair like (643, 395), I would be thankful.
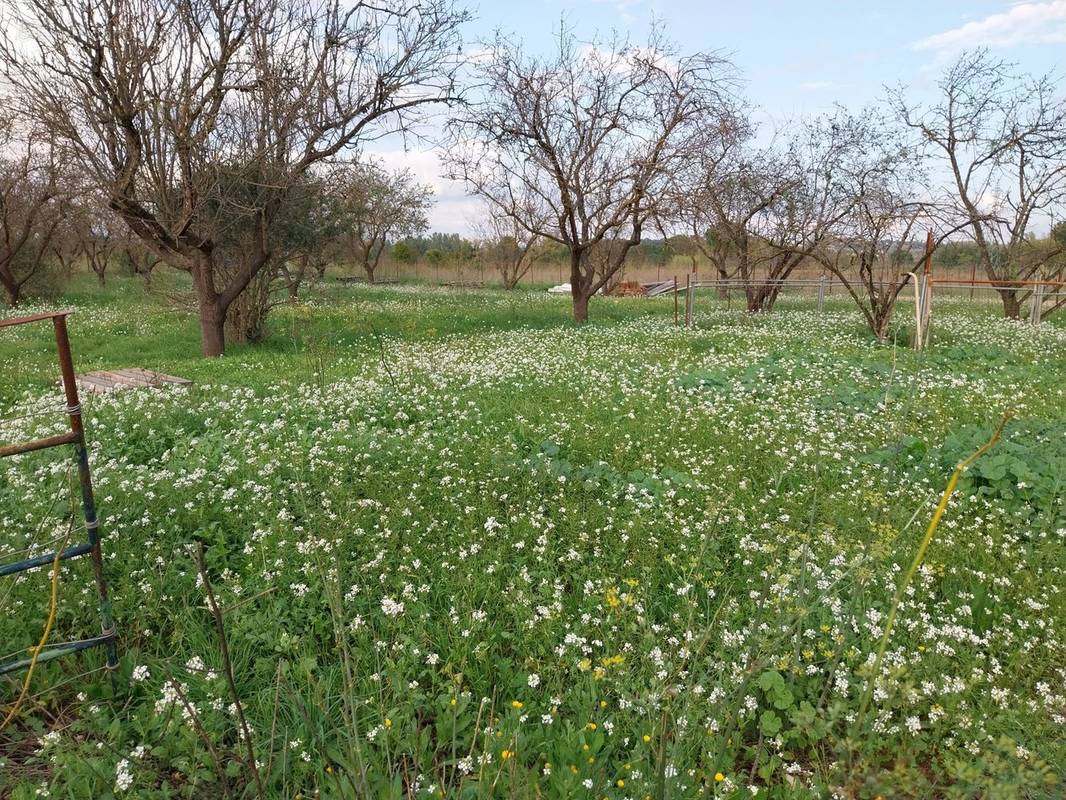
(795, 58)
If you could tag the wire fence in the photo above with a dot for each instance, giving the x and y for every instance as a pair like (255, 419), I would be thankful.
(1033, 301)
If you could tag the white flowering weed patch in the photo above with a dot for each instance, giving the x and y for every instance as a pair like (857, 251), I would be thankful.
(465, 549)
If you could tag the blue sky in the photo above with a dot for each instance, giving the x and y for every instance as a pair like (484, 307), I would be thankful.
(795, 58)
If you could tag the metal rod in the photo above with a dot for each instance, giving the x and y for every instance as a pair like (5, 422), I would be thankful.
(81, 454)
(37, 444)
(39, 561)
(999, 283)
(7, 323)
(49, 653)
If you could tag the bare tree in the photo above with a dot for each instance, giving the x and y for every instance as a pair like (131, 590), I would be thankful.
(592, 132)
(377, 206)
(873, 262)
(32, 202)
(65, 246)
(1002, 137)
(825, 160)
(510, 248)
(140, 260)
(196, 117)
(304, 227)
(95, 229)
(725, 190)
(874, 252)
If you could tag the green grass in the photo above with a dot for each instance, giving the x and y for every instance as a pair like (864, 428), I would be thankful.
(467, 549)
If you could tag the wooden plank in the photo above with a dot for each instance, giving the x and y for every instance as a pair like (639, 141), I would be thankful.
(127, 378)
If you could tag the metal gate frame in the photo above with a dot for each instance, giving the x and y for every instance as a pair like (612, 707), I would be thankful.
(91, 546)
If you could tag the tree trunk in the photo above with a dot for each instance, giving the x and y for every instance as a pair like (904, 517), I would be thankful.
(369, 272)
(212, 329)
(11, 294)
(757, 298)
(212, 313)
(100, 278)
(581, 306)
(511, 274)
(578, 291)
(1012, 307)
(723, 290)
(881, 318)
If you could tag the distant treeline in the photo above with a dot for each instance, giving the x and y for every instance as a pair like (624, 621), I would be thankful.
(442, 247)
(439, 248)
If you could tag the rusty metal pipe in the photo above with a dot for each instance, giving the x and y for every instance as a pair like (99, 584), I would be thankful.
(37, 444)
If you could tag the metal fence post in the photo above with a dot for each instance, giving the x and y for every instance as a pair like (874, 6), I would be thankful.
(821, 294)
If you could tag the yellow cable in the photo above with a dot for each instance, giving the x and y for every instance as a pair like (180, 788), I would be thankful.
(44, 636)
(920, 556)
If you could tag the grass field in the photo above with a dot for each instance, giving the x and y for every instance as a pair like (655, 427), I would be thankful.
(466, 549)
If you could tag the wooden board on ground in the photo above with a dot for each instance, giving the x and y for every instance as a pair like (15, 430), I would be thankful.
(361, 279)
(110, 380)
(657, 288)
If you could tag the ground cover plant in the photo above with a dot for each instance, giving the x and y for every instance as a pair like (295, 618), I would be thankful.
(463, 548)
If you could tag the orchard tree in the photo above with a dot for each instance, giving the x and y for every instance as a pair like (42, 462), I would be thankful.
(96, 230)
(305, 227)
(718, 197)
(825, 160)
(508, 246)
(139, 259)
(401, 252)
(1001, 137)
(198, 117)
(377, 206)
(873, 250)
(594, 131)
(33, 202)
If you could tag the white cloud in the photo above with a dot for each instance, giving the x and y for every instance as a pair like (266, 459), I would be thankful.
(453, 210)
(1022, 24)
(815, 86)
(624, 9)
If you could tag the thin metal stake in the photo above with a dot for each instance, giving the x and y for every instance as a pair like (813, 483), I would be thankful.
(88, 502)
